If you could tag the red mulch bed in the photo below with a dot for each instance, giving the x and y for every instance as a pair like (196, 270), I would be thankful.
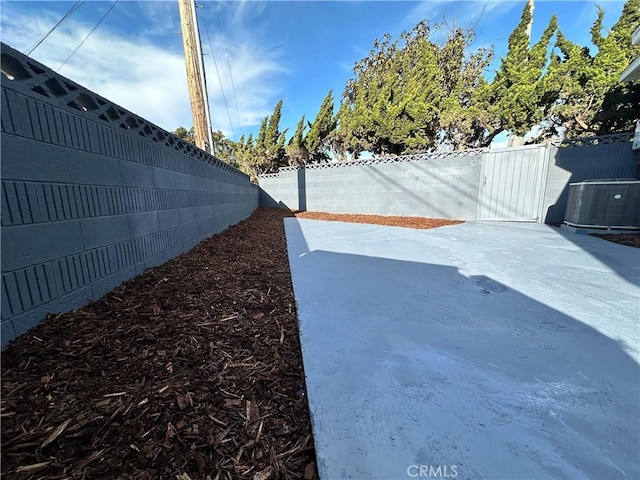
(408, 222)
(631, 239)
(191, 370)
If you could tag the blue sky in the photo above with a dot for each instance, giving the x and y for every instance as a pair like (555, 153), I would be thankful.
(294, 50)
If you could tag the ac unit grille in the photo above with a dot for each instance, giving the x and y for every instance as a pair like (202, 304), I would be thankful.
(604, 204)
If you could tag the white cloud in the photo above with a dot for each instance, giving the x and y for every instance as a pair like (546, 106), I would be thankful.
(465, 13)
(255, 99)
(162, 15)
(140, 74)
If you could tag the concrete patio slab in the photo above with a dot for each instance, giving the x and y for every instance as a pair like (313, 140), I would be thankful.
(481, 350)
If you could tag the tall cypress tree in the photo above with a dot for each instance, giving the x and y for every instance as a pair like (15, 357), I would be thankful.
(515, 97)
(409, 94)
(463, 118)
(262, 134)
(267, 154)
(320, 129)
(269, 148)
(245, 154)
(274, 139)
(296, 151)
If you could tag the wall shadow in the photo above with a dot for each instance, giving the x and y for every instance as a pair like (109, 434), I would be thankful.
(387, 181)
(624, 260)
(411, 363)
(614, 160)
(266, 200)
(473, 197)
(302, 189)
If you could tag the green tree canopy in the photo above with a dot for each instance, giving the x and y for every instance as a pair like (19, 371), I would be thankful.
(244, 153)
(185, 134)
(426, 89)
(224, 148)
(319, 131)
(411, 93)
(583, 94)
(266, 154)
(515, 97)
(296, 152)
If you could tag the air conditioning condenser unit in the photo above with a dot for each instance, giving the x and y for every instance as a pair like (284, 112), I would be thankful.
(605, 203)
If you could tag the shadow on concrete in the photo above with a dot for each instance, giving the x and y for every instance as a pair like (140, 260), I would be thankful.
(411, 363)
(464, 200)
(624, 260)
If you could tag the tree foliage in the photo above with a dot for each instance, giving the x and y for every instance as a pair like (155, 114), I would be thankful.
(296, 151)
(414, 93)
(316, 141)
(427, 89)
(516, 93)
(583, 94)
(244, 153)
(185, 134)
(266, 154)
(410, 93)
(224, 148)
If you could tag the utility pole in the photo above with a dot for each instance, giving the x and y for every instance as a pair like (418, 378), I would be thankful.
(196, 79)
(531, 7)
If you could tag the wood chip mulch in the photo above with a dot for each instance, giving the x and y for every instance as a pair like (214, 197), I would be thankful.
(192, 370)
(392, 221)
(631, 239)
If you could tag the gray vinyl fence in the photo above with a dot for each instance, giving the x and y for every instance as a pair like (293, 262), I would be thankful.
(92, 194)
(527, 183)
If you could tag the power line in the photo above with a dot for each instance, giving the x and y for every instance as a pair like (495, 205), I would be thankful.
(77, 5)
(226, 106)
(233, 88)
(88, 35)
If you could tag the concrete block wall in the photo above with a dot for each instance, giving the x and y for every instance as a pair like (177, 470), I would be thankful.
(93, 196)
(584, 162)
(421, 185)
(533, 182)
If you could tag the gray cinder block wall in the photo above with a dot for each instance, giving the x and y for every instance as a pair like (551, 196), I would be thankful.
(92, 194)
(444, 185)
(527, 183)
(581, 161)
